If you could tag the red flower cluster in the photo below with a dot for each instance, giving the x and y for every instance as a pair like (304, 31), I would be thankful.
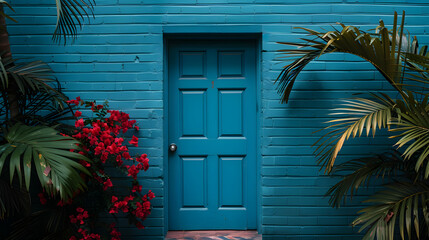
(107, 184)
(80, 217)
(102, 144)
(76, 101)
(116, 235)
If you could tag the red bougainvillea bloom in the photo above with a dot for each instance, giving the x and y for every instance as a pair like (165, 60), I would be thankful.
(83, 162)
(79, 123)
(42, 198)
(107, 184)
(74, 101)
(101, 142)
(114, 233)
(73, 219)
(137, 188)
(134, 141)
(150, 195)
(132, 171)
(139, 225)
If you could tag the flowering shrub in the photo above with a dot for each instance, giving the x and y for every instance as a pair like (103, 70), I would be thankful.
(102, 142)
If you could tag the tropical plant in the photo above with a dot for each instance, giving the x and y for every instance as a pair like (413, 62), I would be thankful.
(83, 216)
(32, 106)
(405, 66)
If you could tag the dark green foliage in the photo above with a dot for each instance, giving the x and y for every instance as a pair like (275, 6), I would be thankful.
(402, 207)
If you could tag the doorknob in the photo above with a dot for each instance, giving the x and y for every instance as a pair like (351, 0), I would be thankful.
(172, 147)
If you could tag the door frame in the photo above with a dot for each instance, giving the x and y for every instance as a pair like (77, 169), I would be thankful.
(185, 32)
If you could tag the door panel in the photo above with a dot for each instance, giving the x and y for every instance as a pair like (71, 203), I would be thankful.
(212, 120)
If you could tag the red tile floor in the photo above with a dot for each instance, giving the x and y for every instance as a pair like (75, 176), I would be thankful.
(213, 235)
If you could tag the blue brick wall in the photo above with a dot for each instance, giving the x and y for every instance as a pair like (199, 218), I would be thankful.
(119, 57)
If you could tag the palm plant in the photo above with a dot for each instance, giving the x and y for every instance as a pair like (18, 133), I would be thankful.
(32, 106)
(405, 66)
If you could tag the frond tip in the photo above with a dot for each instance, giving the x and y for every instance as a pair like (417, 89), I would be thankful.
(70, 14)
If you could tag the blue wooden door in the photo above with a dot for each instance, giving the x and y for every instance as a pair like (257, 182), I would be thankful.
(212, 120)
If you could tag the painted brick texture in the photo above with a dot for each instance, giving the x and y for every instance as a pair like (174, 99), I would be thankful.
(119, 57)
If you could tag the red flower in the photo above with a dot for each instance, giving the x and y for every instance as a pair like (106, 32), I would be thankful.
(74, 101)
(132, 171)
(83, 162)
(104, 157)
(42, 198)
(139, 225)
(119, 160)
(80, 210)
(77, 113)
(126, 155)
(137, 188)
(151, 195)
(107, 184)
(73, 219)
(134, 141)
(114, 199)
(79, 123)
(114, 233)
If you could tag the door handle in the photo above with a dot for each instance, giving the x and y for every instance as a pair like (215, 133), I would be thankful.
(172, 147)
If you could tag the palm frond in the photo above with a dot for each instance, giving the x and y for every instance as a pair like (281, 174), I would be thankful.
(70, 14)
(360, 173)
(2, 13)
(28, 76)
(56, 167)
(402, 203)
(413, 123)
(379, 49)
(44, 108)
(363, 115)
(51, 223)
(13, 200)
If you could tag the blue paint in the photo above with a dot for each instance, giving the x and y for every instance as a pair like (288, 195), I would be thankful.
(102, 65)
(212, 119)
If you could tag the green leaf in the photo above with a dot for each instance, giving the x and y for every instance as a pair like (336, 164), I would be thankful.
(367, 114)
(56, 167)
(70, 14)
(396, 201)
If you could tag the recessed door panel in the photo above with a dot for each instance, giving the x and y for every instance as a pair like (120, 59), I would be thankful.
(231, 181)
(194, 182)
(230, 112)
(193, 112)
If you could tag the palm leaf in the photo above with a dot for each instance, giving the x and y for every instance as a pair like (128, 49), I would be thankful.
(363, 115)
(28, 76)
(414, 127)
(360, 172)
(70, 14)
(51, 223)
(13, 200)
(55, 165)
(401, 201)
(2, 13)
(380, 49)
